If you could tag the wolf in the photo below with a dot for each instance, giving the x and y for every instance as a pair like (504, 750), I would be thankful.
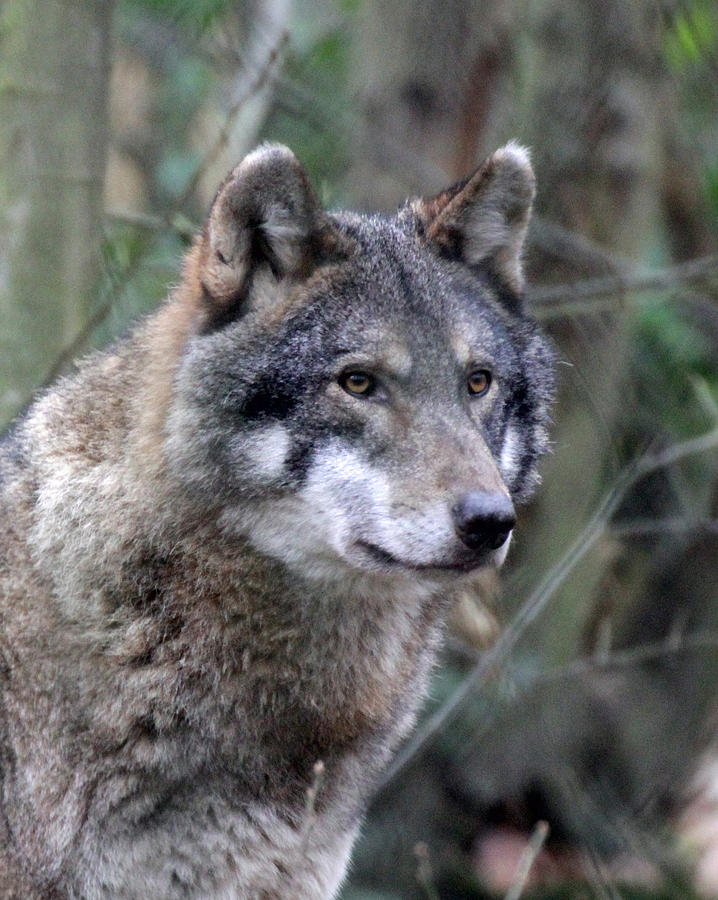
(230, 541)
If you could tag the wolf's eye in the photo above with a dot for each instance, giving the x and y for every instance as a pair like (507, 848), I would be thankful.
(479, 382)
(358, 383)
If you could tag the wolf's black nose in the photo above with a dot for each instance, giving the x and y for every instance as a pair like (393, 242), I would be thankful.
(484, 520)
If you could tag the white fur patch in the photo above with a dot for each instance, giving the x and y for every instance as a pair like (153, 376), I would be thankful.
(346, 507)
(319, 523)
(518, 154)
(350, 489)
(284, 235)
(510, 455)
(399, 359)
(268, 449)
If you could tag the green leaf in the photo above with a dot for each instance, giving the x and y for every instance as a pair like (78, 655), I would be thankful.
(692, 37)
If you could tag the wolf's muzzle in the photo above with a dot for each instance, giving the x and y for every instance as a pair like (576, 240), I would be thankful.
(484, 520)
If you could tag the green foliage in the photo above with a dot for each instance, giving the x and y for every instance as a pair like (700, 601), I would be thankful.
(187, 84)
(691, 39)
(313, 119)
(670, 353)
(673, 380)
(184, 78)
(137, 267)
(690, 46)
(665, 334)
(192, 14)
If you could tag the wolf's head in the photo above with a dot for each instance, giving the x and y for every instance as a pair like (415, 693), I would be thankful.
(362, 393)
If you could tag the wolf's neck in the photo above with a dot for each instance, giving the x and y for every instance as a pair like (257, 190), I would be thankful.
(337, 657)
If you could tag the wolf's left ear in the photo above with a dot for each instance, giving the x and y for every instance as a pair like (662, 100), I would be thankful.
(483, 220)
(265, 225)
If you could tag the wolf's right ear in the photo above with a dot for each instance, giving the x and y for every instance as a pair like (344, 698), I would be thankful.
(483, 220)
(265, 225)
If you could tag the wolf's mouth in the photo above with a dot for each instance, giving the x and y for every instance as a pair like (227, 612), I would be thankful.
(378, 554)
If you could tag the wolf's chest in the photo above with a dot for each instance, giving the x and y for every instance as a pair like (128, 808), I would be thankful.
(206, 848)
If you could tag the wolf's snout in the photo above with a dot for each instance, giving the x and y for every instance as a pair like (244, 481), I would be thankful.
(484, 520)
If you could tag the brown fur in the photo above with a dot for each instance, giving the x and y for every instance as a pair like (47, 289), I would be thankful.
(169, 675)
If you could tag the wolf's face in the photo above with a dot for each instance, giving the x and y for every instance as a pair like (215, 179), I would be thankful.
(374, 401)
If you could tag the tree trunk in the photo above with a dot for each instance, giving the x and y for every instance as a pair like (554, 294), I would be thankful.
(426, 79)
(54, 68)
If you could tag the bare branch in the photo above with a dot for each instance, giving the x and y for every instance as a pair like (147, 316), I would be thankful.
(664, 458)
(558, 300)
(579, 250)
(633, 656)
(253, 85)
(424, 875)
(597, 876)
(528, 858)
(171, 222)
(263, 74)
(96, 319)
(675, 525)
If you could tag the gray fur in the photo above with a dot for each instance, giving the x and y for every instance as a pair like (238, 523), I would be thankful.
(219, 567)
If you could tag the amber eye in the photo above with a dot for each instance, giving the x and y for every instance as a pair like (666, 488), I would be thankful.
(358, 383)
(479, 382)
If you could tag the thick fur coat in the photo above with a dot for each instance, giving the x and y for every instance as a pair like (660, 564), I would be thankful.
(230, 540)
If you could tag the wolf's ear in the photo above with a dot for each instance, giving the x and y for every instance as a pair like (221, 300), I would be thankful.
(483, 220)
(265, 225)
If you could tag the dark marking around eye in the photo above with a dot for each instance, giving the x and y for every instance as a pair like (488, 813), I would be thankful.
(270, 399)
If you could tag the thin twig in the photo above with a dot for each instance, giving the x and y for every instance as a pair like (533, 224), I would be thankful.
(172, 221)
(537, 601)
(176, 222)
(596, 802)
(673, 525)
(664, 458)
(704, 396)
(424, 875)
(636, 281)
(577, 249)
(632, 656)
(71, 350)
(527, 859)
(262, 76)
(596, 875)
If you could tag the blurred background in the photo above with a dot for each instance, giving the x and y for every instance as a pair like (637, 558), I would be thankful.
(569, 745)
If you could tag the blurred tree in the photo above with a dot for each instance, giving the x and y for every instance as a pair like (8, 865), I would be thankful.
(54, 67)
(428, 77)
